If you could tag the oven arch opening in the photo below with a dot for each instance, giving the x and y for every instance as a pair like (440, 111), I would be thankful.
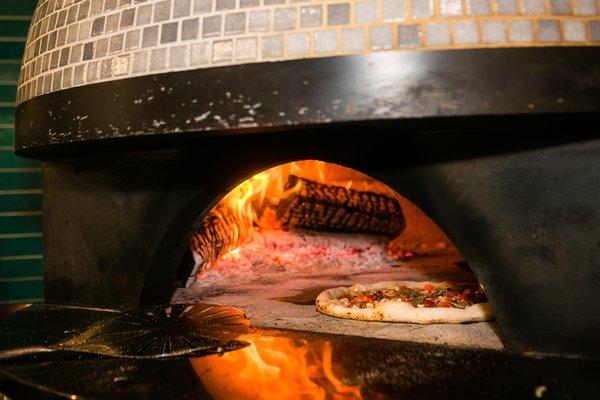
(251, 238)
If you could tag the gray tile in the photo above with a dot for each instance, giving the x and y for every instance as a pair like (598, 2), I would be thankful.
(451, 7)
(409, 35)
(507, 7)
(116, 43)
(271, 46)
(199, 54)
(52, 40)
(76, 53)
(311, 16)
(574, 30)
(421, 8)
(61, 38)
(168, 33)
(67, 77)
(54, 59)
(222, 51)
(479, 7)
(45, 62)
(178, 56)
(162, 11)
(62, 18)
(124, 3)
(438, 34)
(121, 65)
(533, 7)
(521, 31)
(140, 62)
(325, 41)
(366, 12)
(273, 2)
(595, 30)
(202, 6)
(78, 74)
(47, 83)
(393, 10)
(235, 23)
(44, 43)
(548, 30)
(181, 8)
(110, 5)
(98, 26)
(96, 7)
(92, 72)
(338, 14)
(84, 8)
(224, 5)
(585, 7)
(211, 26)
(52, 21)
(190, 29)
(85, 30)
(150, 36)
(259, 21)
(298, 44)
(493, 31)
(106, 69)
(72, 14)
(132, 39)
(112, 23)
(101, 48)
(158, 59)
(560, 7)
(284, 19)
(353, 39)
(465, 32)
(40, 85)
(127, 18)
(56, 81)
(64, 56)
(249, 3)
(246, 49)
(144, 15)
(88, 51)
(381, 37)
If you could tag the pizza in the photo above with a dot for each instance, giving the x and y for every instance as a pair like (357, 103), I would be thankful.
(407, 301)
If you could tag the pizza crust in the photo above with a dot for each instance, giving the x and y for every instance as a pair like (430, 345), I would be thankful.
(399, 311)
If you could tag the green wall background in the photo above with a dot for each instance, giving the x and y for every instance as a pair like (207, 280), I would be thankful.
(20, 179)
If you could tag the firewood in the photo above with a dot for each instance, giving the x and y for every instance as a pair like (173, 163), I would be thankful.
(322, 207)
(217, 235)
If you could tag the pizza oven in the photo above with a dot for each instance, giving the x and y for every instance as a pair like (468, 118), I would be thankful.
(255, 154)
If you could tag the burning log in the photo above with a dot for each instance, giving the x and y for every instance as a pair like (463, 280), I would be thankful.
(322, 207)
(216, 236)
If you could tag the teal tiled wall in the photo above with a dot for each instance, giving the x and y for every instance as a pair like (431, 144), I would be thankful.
(20, 178)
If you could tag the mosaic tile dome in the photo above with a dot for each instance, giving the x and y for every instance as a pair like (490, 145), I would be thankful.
(79, 42)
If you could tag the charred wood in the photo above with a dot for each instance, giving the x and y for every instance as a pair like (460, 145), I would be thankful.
(317, 206)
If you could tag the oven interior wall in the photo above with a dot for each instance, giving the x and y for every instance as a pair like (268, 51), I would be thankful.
(116, 227)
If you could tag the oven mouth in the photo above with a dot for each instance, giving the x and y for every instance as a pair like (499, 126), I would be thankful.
(282, 236)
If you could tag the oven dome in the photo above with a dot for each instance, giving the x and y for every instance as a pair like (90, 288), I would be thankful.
(74, 43)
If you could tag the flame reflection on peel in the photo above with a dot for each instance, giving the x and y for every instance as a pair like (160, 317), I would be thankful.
(275, 367)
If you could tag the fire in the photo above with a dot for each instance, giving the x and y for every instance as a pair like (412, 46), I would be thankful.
(251, 205)
(275, 367)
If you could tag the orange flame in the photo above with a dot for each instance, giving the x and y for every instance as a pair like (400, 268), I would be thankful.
(275, 367)
(252, 203)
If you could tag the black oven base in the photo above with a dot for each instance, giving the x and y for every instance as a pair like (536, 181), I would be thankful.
(382, 368)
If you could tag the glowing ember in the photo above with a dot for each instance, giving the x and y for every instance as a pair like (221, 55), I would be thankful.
(275, 367)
